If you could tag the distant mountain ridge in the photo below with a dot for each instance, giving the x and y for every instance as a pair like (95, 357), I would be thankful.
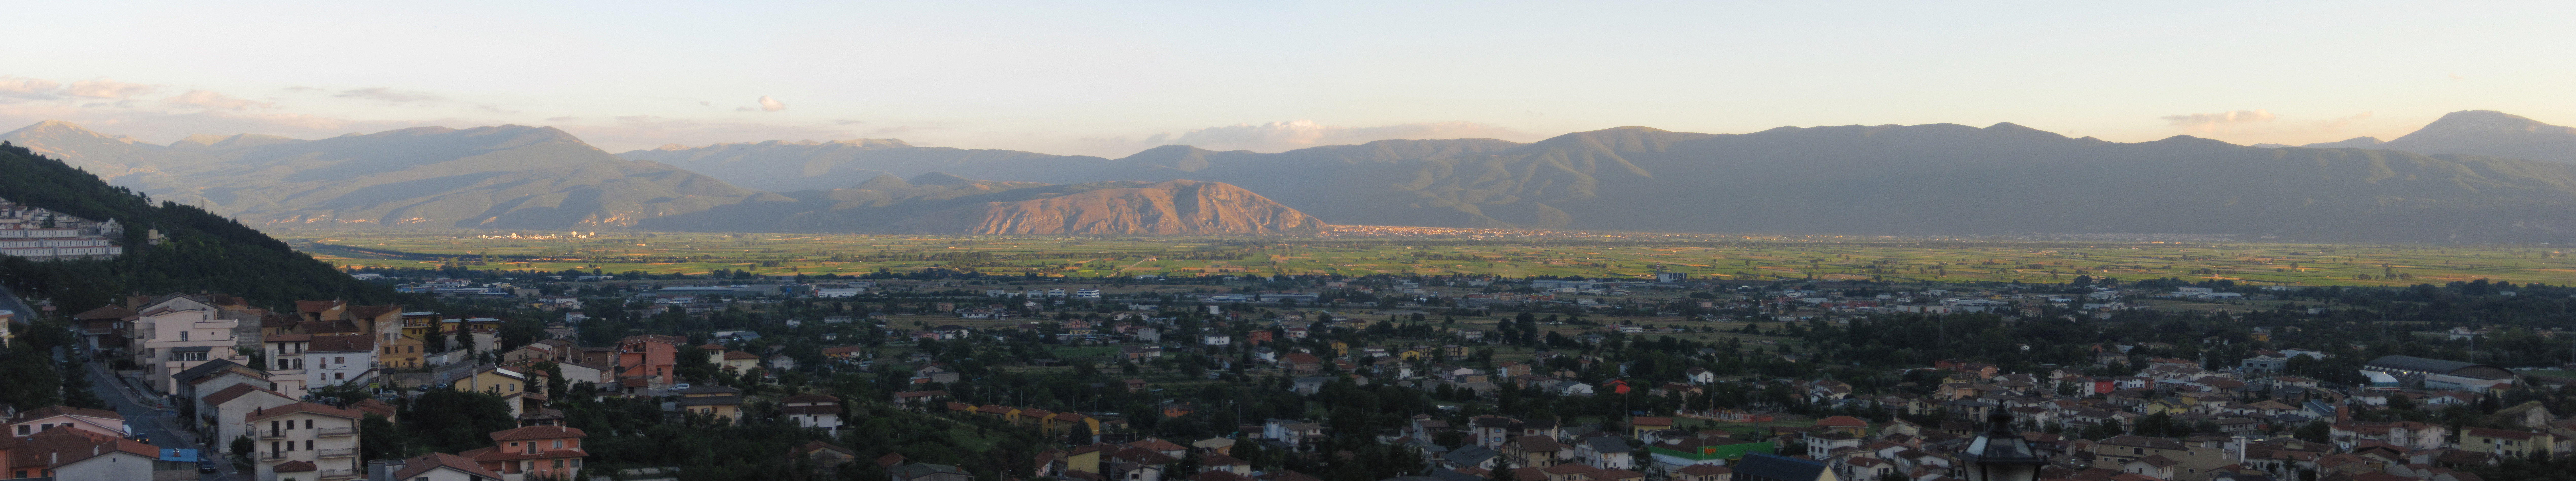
(490, 177)
(2493, 134)
(1935, 179)
(941, 203)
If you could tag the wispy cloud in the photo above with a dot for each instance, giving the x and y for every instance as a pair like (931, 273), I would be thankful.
(107, 89)
(388, 95)
(771, 105)
(2221, 121)
(212, 100)
(28, 87)
(1299, 134)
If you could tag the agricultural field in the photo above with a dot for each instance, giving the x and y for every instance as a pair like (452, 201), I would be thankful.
(1708, 257)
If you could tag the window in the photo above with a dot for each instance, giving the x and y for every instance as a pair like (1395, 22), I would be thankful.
(183, 335)
(558, 464)
(340, 359)
(558, 444)
(308, 424)
(308, 444)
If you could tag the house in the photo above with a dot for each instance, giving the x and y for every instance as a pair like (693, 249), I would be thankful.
(1845, 424)
(1640, 425)
(234, 403)
(67, 453)
(1302, 364)
(178, 332)
(96, 421)
(532, 453)
(813, 411)
(719, 401)
(216, 375)
(2507, 443)
(738, 361)
(651, 357)
(303, 437)
(442, 467)
(1606, 452)
(1700, 375)
(828, 456)
(336, 360)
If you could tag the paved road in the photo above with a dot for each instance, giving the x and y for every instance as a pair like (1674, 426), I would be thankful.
(9, 301)
(141, 410)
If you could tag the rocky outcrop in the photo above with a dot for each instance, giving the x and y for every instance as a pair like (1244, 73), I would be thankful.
(1178, 207)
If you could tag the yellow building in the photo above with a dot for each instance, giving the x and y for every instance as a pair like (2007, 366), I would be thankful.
(2503, 442)
(498, 380)
(720, 401)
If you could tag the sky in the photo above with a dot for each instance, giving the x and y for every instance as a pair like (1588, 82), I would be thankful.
(1112, 78)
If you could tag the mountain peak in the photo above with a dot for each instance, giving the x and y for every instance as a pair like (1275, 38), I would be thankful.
(2490, 133)
(938, 178)
(883, 182)
(2487, 121)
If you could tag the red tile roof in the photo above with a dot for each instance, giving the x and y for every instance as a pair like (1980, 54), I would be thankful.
(421, 465)
(537, 432)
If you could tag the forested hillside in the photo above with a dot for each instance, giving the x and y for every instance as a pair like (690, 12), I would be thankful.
(203, 251)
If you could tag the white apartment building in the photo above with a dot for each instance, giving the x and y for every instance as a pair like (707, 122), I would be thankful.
(305, 441)
(178, 333)
(340, 360)
(286, 361)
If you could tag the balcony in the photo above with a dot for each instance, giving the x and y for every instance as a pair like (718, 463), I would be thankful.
(330, 432)
(272, 434)
(329, 474)
(335, 453)
(269, 455)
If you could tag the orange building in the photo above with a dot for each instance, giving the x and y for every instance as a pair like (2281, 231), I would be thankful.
(651, 357)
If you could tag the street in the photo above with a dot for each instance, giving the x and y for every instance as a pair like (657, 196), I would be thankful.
(145, 418)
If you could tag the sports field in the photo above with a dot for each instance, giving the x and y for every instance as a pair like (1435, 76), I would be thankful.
(1624, 255)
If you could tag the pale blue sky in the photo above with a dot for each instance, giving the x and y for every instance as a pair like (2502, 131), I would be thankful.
(1105, 78)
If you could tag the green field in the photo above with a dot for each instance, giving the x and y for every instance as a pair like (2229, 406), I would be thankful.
(1628, 255)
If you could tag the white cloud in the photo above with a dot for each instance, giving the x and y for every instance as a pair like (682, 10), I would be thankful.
(1292, 135)
(647, 131)
(210, 99)
(388, 95)
(107, 89)
(2221, 122)
(772, 105)
(27, 87)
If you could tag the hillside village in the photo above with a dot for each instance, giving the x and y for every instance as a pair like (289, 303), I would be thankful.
(1362, 379)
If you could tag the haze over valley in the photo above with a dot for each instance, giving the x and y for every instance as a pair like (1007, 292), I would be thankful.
(2473, 176)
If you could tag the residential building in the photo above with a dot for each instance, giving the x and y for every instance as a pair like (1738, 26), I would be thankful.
(96, 421)
(532, 453)
(234, 403)
(719, 401)
(813, 411)
(337, 360)
(67, 453)
(650, 357)
(443, 467)
(178, 332)
(2506, 442)
(305, 437)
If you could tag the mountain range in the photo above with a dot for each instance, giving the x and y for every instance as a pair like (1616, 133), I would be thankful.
(2471, 176)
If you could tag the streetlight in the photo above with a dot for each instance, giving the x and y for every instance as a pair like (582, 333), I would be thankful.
(2001, 454)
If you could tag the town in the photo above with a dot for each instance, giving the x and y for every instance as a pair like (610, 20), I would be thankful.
(953, 376)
